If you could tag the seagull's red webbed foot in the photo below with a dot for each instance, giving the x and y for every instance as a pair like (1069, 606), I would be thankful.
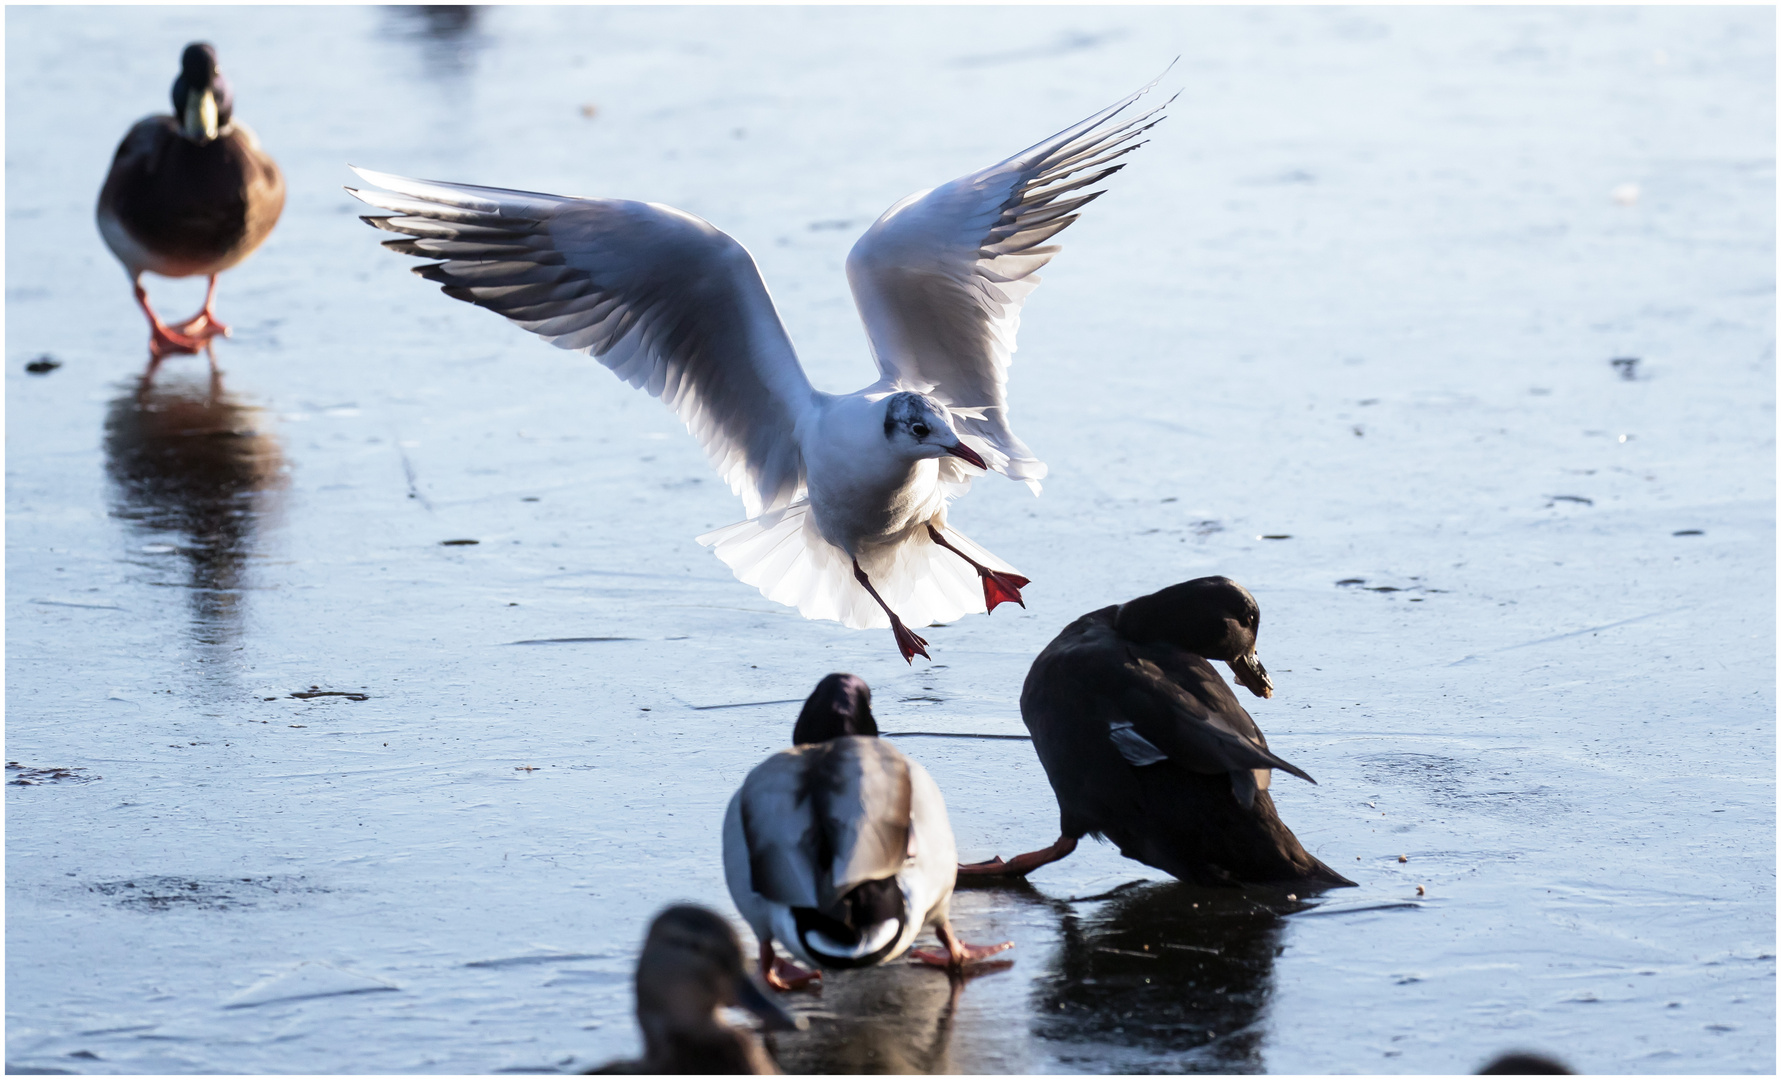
(957, 953)
(783, 974)
(999, 586)
(908, 641)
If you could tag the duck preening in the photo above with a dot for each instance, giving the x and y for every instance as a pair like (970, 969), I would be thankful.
(691, 966)
(839, 848)
(189, 194)
(1145, 744)
(846, 494)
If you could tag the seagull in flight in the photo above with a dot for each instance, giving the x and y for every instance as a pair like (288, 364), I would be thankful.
(845, 494)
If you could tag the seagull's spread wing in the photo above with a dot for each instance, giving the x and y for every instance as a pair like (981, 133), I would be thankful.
(671, 304)
(940, 278)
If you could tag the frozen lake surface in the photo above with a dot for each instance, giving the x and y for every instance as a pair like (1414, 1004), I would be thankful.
(1362, 290)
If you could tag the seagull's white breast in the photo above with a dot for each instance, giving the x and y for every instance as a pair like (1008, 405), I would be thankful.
(863, 493)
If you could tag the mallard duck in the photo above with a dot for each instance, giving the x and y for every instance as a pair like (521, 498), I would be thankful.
(189, 194)
(690, 967)
(839, 848)
(1145, 744)
(846, 494)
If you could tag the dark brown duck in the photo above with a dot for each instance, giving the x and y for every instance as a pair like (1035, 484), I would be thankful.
(1145, 744)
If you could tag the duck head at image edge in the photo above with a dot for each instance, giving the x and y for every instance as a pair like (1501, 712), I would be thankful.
(691, 966)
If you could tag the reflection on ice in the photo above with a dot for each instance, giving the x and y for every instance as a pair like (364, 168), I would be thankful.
(1152, 976)
(188, 458)
(891, 1019)
(446, 33)
(1152, 972)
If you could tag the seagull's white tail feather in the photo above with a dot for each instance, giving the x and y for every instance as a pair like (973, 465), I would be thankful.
(783, 555)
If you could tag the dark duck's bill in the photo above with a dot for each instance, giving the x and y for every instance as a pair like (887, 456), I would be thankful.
(1250, 673)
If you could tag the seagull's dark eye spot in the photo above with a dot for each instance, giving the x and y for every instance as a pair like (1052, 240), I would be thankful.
(919, 430)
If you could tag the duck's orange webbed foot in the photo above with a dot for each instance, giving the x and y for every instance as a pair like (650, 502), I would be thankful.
(204, 325)
(201, 327)
(1020, 865)
(783, 974)
(957, 953)
(163, 340)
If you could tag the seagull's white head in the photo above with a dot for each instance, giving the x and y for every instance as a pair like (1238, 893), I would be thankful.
(919, 427)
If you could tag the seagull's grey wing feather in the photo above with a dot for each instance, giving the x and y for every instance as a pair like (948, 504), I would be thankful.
(671, 304)
(940, 278)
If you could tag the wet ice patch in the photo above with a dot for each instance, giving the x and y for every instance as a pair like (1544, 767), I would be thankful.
(310, 979)
(28, 775)
(160, 892)
(1439, 776)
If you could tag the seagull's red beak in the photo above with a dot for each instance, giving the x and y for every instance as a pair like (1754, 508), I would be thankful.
(963, 451)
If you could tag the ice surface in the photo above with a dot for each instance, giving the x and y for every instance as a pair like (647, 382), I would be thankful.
(308, 980)
(1364, 289)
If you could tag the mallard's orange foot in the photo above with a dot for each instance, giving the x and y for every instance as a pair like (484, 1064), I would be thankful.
(959, 954)
(785, 975)
(164, 342)
(202, 327)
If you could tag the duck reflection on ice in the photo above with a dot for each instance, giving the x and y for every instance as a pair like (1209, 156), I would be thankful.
(891, 1019)
(1149, 980)
(189, 459)
(447, 34)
